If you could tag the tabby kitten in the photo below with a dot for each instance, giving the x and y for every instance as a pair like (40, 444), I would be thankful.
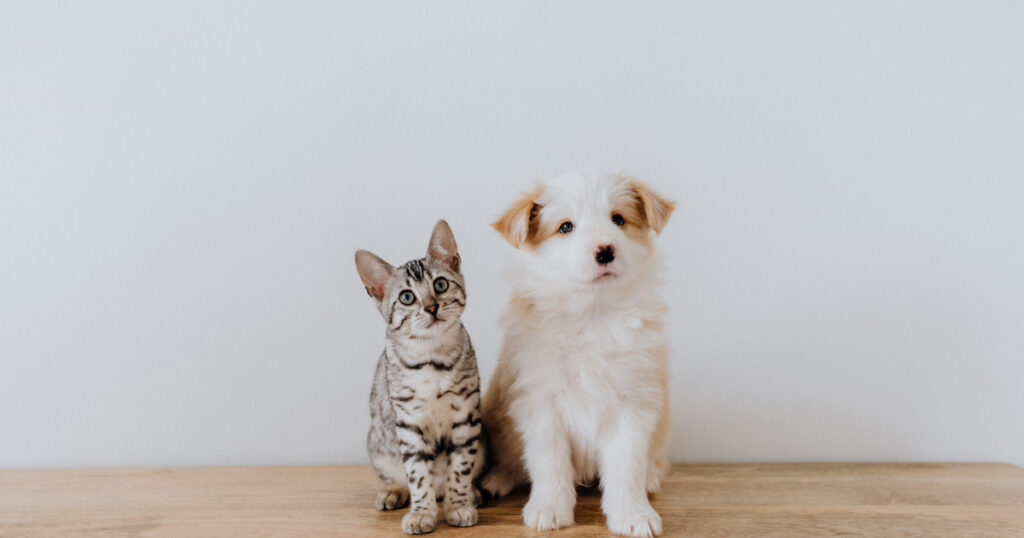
(425, 438)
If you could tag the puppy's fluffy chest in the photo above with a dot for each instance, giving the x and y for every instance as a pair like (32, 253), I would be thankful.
(593, 361)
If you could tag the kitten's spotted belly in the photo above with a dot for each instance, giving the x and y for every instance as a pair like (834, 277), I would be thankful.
(433, 410)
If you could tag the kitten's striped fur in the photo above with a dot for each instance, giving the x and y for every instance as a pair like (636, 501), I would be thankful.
(426, 440)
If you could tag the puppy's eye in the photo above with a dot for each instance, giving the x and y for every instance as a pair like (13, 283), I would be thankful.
(565, 228)
(406, 297)
(617, 219)
(440, 284)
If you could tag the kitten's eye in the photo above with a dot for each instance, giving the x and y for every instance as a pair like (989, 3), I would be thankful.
(617, 219)
(565, 228)
(440, 284)
(406, 297)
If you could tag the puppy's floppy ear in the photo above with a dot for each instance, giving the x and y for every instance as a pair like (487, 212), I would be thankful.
(655, 209)
(442, 248)
(374, 273)
(519, 222)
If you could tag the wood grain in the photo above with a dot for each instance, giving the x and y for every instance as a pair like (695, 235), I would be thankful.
(734, 500)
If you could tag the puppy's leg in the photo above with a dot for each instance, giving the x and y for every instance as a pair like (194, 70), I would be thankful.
(505, 451)
(657, 465)
(549, 463)
(624, 468)
(656, 471)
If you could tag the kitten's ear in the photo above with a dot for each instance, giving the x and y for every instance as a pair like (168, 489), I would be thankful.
(519, 222)
(656, 210)
(442, 248)
(374, 273)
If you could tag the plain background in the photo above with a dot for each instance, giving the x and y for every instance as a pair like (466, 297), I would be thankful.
(183, 185)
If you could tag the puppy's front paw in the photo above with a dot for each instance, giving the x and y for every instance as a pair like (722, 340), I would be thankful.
(547, 516)
(641, 522)
(461, 516)
(419, 522)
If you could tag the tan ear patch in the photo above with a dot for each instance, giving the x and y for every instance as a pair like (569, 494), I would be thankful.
(655, 209)
(518, 225)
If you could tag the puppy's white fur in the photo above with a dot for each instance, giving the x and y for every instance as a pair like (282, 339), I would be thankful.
(580, 390)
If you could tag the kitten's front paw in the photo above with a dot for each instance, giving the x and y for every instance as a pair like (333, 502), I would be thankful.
(419, 522)
(461, 516)
(640, 522)
(547, 516)
(391, 497)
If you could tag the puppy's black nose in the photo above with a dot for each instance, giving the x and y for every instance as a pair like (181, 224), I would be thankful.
(604, 254)
(432, 310)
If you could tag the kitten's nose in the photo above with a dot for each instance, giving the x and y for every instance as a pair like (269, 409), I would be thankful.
(432, 309)
(604, 254)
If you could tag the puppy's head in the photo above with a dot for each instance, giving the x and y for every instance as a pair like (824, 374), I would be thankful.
(586, 231)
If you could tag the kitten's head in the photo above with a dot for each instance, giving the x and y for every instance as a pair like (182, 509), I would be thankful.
(423, 297)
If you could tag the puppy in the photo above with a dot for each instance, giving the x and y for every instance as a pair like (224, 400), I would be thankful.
(581, 386)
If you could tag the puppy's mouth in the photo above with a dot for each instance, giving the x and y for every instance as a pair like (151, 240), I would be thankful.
(605, 276)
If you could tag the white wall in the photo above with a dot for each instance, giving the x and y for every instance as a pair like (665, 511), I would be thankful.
(182, 187)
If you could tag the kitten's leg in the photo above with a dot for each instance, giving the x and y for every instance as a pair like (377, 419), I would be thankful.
(419, 463)
(547, 455)
(624, 468)
(393, 493)
(463, 468)
(391, 496)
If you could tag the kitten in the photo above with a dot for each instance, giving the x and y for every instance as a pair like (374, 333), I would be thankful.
(425, 438)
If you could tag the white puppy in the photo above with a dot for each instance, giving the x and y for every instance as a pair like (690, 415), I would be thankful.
(581, 386)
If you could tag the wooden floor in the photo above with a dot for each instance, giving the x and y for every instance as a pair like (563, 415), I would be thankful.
(733, 500)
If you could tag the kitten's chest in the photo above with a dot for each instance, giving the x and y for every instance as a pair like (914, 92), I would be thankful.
(427, 381)
(433, 392)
